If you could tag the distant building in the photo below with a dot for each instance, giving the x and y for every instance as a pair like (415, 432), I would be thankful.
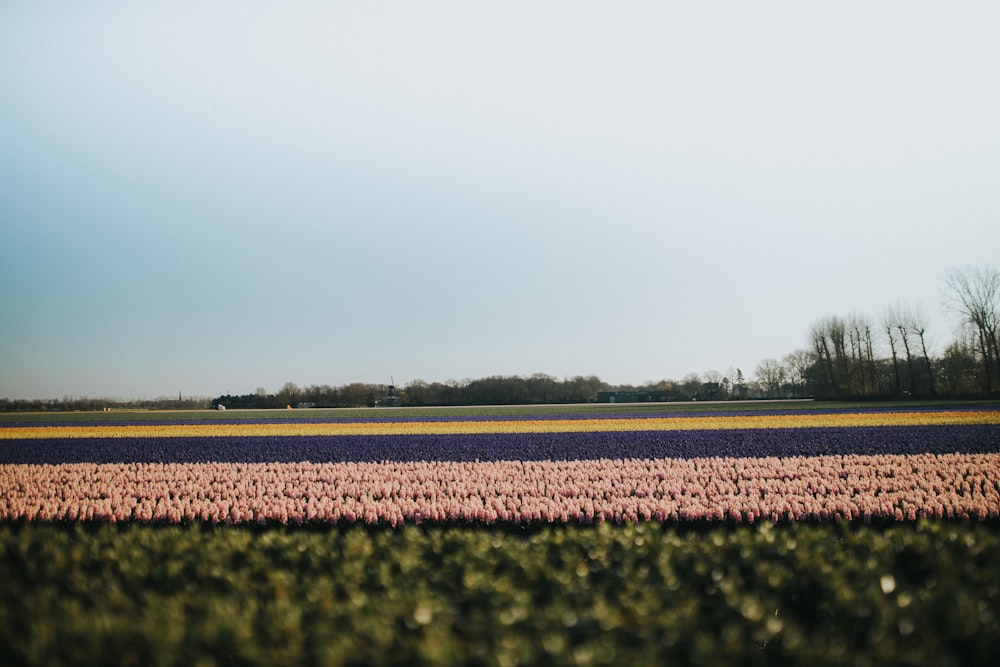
(391, 398)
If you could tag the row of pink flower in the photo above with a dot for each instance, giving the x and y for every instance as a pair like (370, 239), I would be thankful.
(855, 487)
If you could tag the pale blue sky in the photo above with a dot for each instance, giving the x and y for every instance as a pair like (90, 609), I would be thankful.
(210, 197)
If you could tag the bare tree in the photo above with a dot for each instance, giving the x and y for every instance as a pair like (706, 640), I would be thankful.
(797, 364)
(918, 325)
(859, 332)
(958, 369)
(891, 336)
(857, 356)
(829, 343)
(974, 293)
(771, 375)
(712, 376)
(899, 318)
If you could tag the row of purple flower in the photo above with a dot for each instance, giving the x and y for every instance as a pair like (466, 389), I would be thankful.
(777, 442)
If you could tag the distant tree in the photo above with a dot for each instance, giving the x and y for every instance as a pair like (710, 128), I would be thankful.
(417, 393)
(543, 388)
(771, 376)
(797, 365)
(583, 388)
(829, 340)
(957, 370)
(917, 325)
(289, 394)
(899, 324)
(692, 385)
(862, 375)
(718, 381)
(974, 293)
(321, 396)
(357, 395)
(892, 338)
(713, 377)
(739, 385)
(725, 389)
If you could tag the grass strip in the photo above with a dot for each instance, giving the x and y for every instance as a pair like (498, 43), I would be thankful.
(481, 411)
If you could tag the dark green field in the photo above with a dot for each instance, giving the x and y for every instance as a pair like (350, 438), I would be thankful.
(802, 594)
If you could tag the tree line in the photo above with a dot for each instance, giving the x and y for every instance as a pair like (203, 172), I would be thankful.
(849, 357)
(852, 357)
(537, 389)
(84, 404)
(858, 357)
(496, 390)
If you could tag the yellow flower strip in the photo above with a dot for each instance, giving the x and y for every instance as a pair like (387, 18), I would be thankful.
(208, 429)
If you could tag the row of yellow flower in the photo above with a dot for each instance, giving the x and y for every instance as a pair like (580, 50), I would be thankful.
(208, 429)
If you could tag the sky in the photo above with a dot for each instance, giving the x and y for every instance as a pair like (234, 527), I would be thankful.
(210, 197)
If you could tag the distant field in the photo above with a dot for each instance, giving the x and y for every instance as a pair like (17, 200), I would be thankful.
(479, 411)
(698, 533)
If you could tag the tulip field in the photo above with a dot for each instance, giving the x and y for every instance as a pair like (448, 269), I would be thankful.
(777, 534)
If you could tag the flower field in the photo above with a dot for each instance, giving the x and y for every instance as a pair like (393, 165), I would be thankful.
(773, 536)
(730, 467)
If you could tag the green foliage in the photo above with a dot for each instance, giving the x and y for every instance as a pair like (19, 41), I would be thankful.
(925, 593)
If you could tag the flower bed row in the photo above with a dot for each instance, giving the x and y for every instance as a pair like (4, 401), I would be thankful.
(517, 425)
(564, 446)
(742, 490)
